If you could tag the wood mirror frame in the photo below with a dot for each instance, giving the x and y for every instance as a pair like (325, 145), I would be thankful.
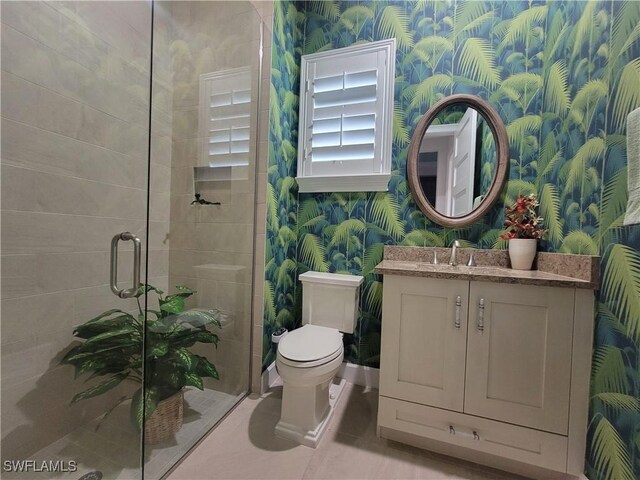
(502, 151)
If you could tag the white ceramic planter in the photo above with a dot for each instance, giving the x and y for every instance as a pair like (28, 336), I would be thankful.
(522, 251)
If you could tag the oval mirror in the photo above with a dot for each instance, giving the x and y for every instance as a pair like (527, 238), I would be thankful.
(458, 160)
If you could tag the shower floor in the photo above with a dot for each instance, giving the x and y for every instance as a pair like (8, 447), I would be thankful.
(114, 449)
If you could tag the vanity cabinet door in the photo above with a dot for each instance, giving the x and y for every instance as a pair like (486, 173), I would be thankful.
(519, 354)
(424, 325)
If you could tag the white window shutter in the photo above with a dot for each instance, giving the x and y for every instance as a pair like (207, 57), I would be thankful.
(224, 123)
(346, 118)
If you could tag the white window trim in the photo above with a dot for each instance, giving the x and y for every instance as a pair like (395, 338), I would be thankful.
(370, 182)
(345, 183)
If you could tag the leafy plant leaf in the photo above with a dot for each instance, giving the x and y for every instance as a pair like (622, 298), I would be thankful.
(142, 406)
(384, 212)
(609, 452)
(423, 238)
(272, 209)
(188, 338)
(84, 352)
(520, 28)
(400, 130)
(619, 401)
(143, 289)
(312, 253)
(183, 356)
(100, 388)
(556, 90)
(88, 365)
(608, 371)
(477, 62)
(394, 23)
(373, 297)
(550, 211)
(200, 318)
(586, 156)
(519, 129)
(108, 313)
(269, 301)
(345, 230)
(159, 349)
(173, 304)
(372, 256)
(184, 292)
(621, 287)
(206, 369)
(125, 331)
(69, 357)
(628, 95)
(103, 325)
(327, 9)
(194, 380)
(580, 243)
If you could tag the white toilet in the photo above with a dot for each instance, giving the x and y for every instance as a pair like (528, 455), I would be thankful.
(309, 357)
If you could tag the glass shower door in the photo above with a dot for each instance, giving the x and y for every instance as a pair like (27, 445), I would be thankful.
(75, 130)
(98, 193)
(206, 82)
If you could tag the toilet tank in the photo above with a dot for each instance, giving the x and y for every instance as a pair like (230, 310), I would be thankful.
(330, 300)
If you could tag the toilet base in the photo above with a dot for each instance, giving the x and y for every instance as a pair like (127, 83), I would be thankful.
(311, 438)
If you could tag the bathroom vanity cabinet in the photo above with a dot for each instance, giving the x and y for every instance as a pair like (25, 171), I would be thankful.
(496, 373)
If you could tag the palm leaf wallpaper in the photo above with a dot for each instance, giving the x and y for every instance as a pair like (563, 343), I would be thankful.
(563, 75)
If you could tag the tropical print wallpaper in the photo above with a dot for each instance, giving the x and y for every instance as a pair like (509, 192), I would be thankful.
(281, 289)
(563, 75)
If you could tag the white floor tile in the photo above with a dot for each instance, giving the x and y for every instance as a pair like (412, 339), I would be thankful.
(244, 446)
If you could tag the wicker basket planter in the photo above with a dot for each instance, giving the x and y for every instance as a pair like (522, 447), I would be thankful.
(165, 421)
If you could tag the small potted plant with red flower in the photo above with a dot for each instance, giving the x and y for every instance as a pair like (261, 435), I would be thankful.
(524, 229)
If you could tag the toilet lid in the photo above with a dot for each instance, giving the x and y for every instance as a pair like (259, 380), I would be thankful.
(310, 343)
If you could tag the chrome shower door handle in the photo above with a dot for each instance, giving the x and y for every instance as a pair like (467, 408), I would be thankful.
(125, 292)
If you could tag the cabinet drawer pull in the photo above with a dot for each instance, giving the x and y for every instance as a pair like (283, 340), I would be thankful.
(473, 434)
(480, 321)
(456, 323)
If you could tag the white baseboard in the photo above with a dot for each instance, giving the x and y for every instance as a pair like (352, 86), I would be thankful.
(357, 374)
(360, 375)
(269, 377)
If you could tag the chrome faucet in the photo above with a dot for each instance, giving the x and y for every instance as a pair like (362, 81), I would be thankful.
(454, 249)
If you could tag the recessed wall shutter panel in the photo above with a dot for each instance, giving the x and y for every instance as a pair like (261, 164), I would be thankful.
(345, 115)
(226, 128)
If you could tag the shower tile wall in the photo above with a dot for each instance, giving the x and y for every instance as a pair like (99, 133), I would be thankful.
(212, 246)
(75, 85)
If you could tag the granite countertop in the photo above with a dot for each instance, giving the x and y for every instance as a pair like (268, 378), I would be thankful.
(579, 271)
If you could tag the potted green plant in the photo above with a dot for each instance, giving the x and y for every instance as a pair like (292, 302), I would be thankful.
(524, 229)
(112, 347)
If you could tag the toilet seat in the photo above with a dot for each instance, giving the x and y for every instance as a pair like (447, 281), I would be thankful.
(310, 346)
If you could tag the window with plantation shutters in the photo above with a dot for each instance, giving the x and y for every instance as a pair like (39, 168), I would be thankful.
(346, 115)
(224, 125)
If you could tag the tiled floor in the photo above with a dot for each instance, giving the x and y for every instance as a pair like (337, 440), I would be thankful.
(114, 449)
(244, 446)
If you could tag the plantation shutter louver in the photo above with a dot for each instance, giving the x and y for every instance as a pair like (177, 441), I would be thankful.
(344, 122)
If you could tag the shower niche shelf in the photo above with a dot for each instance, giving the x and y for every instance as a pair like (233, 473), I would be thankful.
(206, 175)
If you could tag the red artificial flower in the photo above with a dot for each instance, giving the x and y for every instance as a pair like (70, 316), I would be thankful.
(521, 219)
